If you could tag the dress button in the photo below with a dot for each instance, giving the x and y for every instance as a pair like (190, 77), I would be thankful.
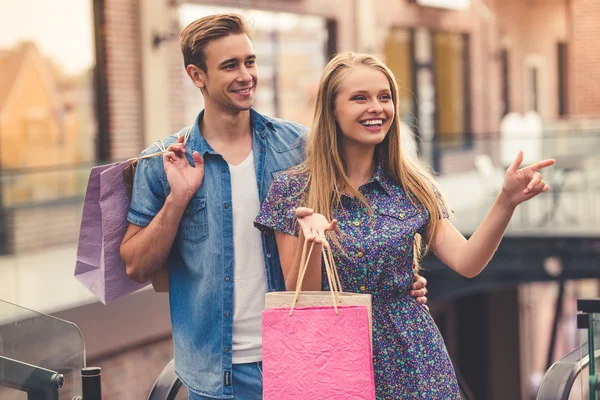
(227, 279)
(360, 254)
(363, 288)
(356, 223)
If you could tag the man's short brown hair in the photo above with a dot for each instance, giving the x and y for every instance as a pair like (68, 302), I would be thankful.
(196, 36)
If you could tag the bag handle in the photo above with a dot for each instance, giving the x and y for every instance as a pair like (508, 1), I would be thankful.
(335, 286)
(163, 148)
(329, 265)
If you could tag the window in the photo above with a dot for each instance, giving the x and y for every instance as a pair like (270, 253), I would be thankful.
(504, 62)
(532, 89)
(432, 69)
(450, 51)
(563, 81)
(398, 48)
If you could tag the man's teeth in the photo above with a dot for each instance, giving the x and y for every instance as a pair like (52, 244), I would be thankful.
(372, 122)
(244, 91)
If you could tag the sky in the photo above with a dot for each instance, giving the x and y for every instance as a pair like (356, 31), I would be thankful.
(62, 29)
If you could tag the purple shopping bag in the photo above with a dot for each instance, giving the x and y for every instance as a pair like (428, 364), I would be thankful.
(99, 265)
(317, 354)
(104, 223)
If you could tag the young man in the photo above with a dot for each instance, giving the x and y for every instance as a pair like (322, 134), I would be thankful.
(194, 210)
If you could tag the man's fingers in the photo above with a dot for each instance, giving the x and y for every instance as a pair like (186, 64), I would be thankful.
(177, 148)
(198, 160)
(168, 156)
(419, 282)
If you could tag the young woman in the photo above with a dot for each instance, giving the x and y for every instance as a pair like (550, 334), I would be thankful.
(357, 187)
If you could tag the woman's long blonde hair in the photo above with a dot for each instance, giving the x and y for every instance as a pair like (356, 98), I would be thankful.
(325, 167)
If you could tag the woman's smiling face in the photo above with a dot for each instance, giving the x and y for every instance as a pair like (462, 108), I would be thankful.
(364, 109)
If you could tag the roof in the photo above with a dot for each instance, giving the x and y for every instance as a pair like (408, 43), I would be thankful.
(11, 62)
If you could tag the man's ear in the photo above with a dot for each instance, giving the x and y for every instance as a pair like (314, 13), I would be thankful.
(197, 76)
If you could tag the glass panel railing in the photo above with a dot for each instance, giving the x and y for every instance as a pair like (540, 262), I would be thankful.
(41, 357)
(477, 166)
(589, 320)
(575, 376)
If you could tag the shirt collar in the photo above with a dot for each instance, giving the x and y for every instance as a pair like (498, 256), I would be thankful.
(260, 126)
(380, 177)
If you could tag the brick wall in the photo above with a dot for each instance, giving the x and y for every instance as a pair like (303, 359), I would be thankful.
(530, 32)
(123, 72)
(585, 58)
(177, 79)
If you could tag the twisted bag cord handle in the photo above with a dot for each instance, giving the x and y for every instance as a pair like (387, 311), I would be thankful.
(163, 148)
(333, 279)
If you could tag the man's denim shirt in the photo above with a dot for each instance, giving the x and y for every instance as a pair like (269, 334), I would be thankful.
(201, 279)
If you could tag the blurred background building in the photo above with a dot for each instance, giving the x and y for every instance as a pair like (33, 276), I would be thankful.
(89, 82)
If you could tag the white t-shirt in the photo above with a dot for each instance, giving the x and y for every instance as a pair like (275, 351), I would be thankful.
(250, 276)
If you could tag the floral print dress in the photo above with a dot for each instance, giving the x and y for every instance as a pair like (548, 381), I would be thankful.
(409, 354)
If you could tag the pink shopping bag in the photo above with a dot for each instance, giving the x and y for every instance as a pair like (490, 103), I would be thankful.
(317, 352)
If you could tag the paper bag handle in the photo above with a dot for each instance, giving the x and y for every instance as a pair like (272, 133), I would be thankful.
(163, 148)
(335, 286)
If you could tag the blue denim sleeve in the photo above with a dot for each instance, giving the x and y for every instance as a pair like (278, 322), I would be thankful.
(148, 195)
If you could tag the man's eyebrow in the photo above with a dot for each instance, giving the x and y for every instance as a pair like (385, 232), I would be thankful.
(234, 59)
(228, 61)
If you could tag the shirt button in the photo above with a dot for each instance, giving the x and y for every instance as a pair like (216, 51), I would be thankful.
(363, 288)
(226, 349)
(360, 254)
(356, 223)
(227, 279)
(223, 170)
(262, 150)
(227, 315)
(268, 255)
(226, 206)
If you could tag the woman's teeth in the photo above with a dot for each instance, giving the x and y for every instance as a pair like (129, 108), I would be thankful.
(372, 122)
